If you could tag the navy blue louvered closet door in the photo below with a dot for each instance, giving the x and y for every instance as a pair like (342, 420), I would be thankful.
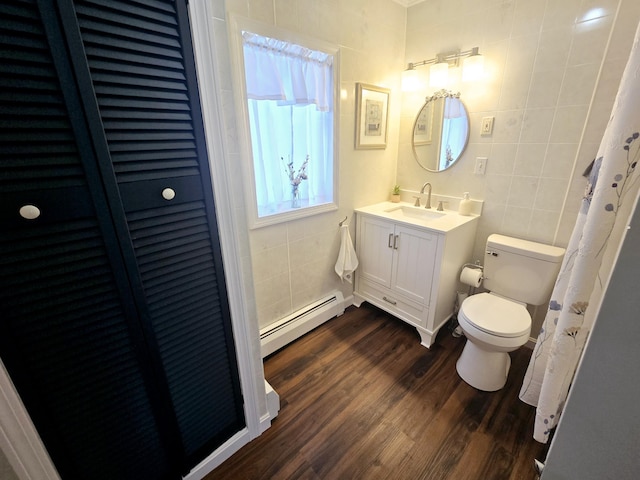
(115, 324)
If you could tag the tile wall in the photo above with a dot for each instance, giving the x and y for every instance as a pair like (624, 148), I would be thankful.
(550, 84)
(552, 73)
(292, 264)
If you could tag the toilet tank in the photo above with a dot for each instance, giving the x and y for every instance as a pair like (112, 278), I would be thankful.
(520, 269)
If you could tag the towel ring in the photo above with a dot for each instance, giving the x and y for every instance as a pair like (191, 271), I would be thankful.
(345, 219)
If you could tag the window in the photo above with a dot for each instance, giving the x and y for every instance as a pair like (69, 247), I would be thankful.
(291, 116)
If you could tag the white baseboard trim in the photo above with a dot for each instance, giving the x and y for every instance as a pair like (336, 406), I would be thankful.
(239, 440)
(273, 403)
(19, 439)
(222, 453)
(284, 331)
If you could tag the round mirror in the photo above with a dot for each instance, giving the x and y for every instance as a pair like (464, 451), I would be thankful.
(441, 131)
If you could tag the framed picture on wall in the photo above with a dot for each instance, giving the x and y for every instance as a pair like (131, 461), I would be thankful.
(372, 113)
(423, 126)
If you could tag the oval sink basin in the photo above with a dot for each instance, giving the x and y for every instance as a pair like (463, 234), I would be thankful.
(420, 213)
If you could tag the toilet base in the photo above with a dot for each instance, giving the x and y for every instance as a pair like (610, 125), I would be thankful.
(482, 369)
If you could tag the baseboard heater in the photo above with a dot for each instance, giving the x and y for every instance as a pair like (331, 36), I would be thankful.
(286, 330)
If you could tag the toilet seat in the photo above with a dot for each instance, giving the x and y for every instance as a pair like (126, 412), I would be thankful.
(496, 316)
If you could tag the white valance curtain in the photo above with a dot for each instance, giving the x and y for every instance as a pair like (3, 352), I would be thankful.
(290, 104)
(286, 72)
(613, 185)
(455, 129)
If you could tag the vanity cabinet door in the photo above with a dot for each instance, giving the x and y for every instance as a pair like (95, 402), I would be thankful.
(397, 257)
(375, 249)
(413, 263)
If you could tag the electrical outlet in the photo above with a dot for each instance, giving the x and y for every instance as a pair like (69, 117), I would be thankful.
(481, 165)
(486, 127)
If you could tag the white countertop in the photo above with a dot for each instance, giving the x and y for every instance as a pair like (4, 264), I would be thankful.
(449, 220)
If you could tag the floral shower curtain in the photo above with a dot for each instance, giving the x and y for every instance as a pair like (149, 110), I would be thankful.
(613, 180)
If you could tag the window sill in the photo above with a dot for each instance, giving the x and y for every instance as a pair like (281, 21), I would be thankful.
(293, 214)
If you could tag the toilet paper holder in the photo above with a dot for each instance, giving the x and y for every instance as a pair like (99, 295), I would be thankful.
(475, 279)
(476, 265)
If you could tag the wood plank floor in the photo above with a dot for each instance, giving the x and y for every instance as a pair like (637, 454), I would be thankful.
(362, 399)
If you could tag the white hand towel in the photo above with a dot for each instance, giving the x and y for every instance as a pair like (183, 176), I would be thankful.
(347, 260)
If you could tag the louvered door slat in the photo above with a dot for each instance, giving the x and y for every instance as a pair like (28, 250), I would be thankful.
(128, 13)
(148, 253)
(65, 336)
(115, 85)
(175, 255)
(179, 160)
(163, 105)
(120, 54)
(48, 330)
(195, 227)
(82, 298)
(124, 31)
(144, 137)
(52, 153)
(123, 41)
(158, 286)
(146, 232)
(166, 328)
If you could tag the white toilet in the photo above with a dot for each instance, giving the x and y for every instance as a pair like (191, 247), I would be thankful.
(516, 272)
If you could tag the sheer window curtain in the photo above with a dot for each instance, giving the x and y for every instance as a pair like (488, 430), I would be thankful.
(290, 103)
(454, 131)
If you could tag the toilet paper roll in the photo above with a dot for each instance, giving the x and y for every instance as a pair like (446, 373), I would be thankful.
(471, 276)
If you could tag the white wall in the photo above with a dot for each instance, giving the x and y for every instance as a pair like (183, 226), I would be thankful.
(544, 88)
(551, 79)
(291, 264)
(550, 85)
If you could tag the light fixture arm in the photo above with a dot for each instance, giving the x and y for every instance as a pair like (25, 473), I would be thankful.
(452, 58)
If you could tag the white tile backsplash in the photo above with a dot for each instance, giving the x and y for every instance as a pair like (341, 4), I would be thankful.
(568, 124)
(559, 14)
(545, 88)
(553, 48)
(578, 84)
(529, 159)
(536, 125)
(541, 69)
(559, 160)
(543, 66)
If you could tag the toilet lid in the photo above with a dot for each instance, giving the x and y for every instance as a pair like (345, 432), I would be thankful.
(495, 315)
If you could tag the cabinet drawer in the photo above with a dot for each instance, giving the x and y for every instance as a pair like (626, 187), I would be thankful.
(393, 303)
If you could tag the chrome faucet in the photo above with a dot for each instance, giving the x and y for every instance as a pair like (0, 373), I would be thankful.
(428, 204)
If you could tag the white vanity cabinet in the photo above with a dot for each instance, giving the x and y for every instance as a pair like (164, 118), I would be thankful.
(410, 270)
(399, 258)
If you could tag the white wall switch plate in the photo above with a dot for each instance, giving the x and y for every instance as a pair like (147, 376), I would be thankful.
(486, 127)
(481, 165)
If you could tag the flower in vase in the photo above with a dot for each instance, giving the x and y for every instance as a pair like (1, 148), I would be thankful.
(295, 179)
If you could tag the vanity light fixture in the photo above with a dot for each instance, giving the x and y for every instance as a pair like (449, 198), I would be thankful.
(472, 68)
(410, 80)
(439, 73)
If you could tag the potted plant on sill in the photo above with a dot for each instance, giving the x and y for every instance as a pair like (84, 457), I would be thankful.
(395, 194)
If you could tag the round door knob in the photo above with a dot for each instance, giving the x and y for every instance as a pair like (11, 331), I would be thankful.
(168, 193)
(29, 212)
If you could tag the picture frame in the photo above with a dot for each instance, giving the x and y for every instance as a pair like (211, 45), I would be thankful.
(423, 126)
(372, 116)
